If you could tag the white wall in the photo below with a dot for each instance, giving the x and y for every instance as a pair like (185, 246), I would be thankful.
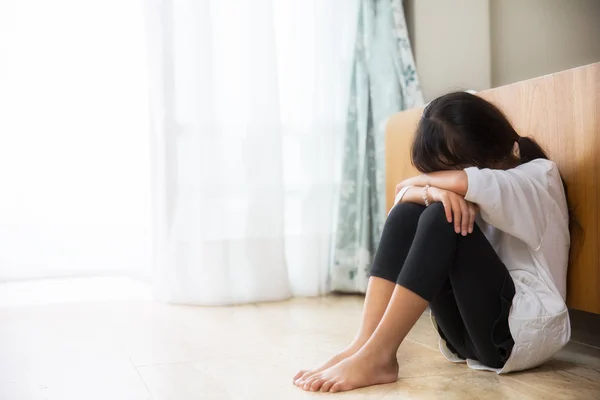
(478, 44)
(451, 43)
(536, 37)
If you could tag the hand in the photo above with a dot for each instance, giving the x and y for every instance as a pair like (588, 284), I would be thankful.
(458, 210)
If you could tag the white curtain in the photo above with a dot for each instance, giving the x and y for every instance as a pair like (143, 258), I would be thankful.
(74, 148)
(219, 165)
(249, 102)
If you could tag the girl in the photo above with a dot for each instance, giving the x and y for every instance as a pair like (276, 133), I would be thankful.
(482, 238)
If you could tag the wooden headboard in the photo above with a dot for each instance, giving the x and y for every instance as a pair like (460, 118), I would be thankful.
(561, 111)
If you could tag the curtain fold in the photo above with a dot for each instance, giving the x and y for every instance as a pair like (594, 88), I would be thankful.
(248, 106)
(384, 81)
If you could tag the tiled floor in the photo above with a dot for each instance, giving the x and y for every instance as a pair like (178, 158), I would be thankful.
(133, 350)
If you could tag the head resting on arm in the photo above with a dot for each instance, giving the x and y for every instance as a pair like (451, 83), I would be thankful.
(460, 130)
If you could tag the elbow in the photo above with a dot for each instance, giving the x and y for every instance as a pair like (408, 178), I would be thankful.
(461, 183)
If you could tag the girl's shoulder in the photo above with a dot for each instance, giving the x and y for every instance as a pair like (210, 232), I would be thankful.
(546, 173)
(540, 164)
(542, 170)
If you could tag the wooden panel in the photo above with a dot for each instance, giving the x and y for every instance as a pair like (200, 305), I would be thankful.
(562, 111)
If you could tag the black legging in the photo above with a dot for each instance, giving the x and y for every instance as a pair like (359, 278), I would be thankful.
(469, 289)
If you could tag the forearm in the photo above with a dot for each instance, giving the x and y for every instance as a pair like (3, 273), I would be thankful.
(414, 194)
(454, 181)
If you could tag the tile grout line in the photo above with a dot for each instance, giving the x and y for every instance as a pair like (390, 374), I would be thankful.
(165, 363)
(527, 385)
(580, 376)
(141, 378)
(199, 361)
(586, 344)
(441, 374)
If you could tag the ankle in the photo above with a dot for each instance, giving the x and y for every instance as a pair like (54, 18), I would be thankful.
(358, 342)
(379, 356)
(352, 349)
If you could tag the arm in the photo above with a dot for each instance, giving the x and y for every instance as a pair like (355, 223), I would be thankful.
(454, 181)
(414, 194)
(516, 201)
(458, 211)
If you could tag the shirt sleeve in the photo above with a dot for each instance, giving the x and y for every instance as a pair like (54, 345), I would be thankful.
(516, 201)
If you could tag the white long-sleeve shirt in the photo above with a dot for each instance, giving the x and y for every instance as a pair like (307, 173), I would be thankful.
(525, 217)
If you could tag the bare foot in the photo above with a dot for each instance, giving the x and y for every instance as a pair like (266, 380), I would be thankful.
(302, 376)
(354, 372)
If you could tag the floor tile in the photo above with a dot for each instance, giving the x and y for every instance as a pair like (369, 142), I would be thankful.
(562, 380)
(63, 353)
(144, 350)
(182, 382)
(580, 354)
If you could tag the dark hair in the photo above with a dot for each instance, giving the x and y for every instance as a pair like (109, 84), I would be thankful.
(461, 130)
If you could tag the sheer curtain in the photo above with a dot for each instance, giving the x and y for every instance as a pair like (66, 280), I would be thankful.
(74, 147)
(249, 103)
(226, 184)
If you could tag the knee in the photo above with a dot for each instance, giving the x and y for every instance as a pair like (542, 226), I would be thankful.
(405, 215)
(434, 217)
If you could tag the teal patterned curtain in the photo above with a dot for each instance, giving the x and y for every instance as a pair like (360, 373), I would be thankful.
(384, 82)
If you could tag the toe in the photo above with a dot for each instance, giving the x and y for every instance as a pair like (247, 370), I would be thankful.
(316, 385)
(303, 378)
(327, 386)
(306, 385)
(299, 374)
(337, 387)
(306, 376)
